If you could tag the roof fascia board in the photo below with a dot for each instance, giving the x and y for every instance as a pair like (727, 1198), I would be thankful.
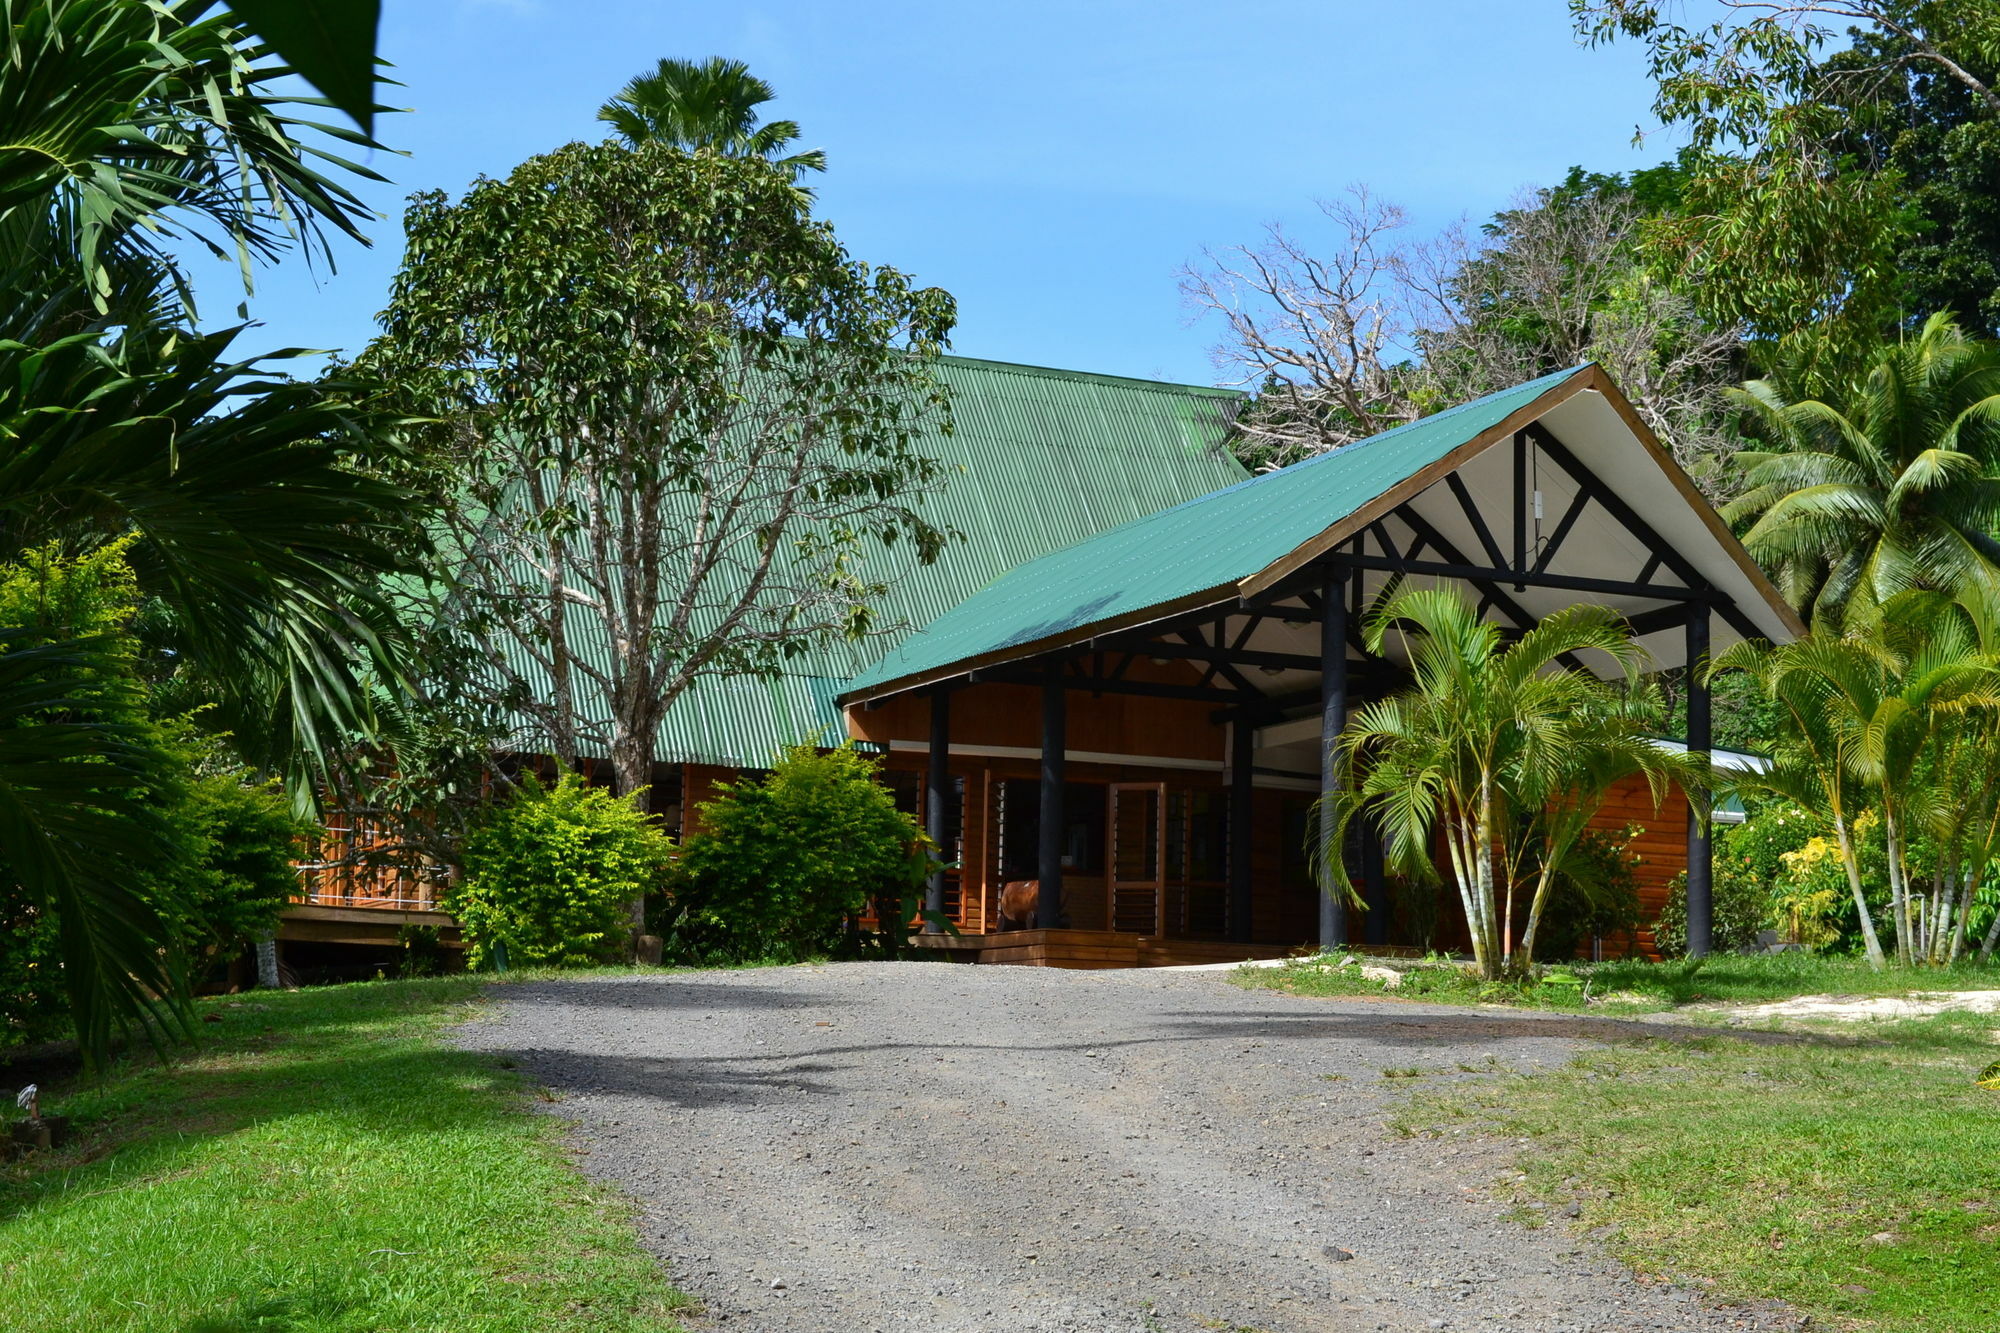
(1416, 482)
(1683, 483)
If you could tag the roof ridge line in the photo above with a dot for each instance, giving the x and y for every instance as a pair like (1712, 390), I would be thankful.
(1090, 376)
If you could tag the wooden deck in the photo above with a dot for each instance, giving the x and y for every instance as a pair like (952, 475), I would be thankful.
(319, 924)
(1093, 949)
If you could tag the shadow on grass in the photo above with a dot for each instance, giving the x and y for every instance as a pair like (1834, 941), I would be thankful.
(127, 1136)
(322, 1163)
(273, 1314)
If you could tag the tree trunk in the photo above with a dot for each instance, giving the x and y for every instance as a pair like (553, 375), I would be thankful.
(632, 768)
(1869, 939)
(1543, 883)
(1463, 874)
(1992, 939)
(1486, 946)
(1968, 894)
(267, 963)
(1899, 893)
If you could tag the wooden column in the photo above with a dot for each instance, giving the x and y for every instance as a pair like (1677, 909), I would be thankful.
(1055, 730)
(1242, 744)
(937, 806)
(1333, 718)
(1700, 852)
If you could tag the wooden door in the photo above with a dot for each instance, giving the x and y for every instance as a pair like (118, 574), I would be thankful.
(1136, 869)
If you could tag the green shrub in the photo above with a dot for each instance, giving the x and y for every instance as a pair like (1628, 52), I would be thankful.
(221, 869)
(240, 840)
(1742, 907)
(1596, 893)
(550, 874)
(782, 862)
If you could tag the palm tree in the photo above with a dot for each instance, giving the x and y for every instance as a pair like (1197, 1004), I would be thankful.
(1807, 767)
(136, 130)
(253, 505)
(1876, 710)
(1896, 487)
(1494, 745)
(706, 107)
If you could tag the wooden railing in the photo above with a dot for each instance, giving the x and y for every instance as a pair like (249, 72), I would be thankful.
(337, 872)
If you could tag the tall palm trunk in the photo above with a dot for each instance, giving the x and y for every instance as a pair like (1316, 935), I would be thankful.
(1899, 890)
(1869, 940)
(1544, 883)
(1486, 944)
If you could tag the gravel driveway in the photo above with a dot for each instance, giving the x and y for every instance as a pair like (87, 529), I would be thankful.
(966, 1149)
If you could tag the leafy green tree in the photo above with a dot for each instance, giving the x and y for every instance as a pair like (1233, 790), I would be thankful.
(1891, 486)
(1495, 747)
(548, 874)
(779, 862)
(665, 447)
(706, 107)
(1786, 227)
(1940, 137)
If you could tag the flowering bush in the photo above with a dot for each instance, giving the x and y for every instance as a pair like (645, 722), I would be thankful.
(1811, 894)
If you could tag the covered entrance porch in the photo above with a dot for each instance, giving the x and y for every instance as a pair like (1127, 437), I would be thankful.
(1227, 631)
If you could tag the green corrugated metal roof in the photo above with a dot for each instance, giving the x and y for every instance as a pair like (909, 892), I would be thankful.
(1205, 543)
(1046, 458)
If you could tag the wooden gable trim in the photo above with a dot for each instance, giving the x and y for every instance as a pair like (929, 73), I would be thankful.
(1415, 483)
(1683, 483)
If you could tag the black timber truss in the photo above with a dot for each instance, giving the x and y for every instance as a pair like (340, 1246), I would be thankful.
(1216, 639)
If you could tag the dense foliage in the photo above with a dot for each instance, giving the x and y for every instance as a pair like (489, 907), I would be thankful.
(217, 861)
(548, 875)
(779, 865)
(247, 511)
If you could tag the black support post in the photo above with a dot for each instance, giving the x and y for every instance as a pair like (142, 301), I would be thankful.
(1242, 737)
(1700, 858)
(937, 803)
(1055, 730)
(1333, 718)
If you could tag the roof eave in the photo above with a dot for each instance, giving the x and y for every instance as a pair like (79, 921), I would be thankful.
(918, 680)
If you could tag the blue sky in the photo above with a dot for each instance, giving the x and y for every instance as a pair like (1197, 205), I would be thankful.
(1051, 164)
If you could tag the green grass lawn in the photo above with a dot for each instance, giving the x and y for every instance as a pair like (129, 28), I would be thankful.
(1851, 1169)
(1637, 987)
(1853, 1173)
(323, 1164)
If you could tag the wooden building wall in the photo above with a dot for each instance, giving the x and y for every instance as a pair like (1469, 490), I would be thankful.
(1187, 750)
(1661, 848)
